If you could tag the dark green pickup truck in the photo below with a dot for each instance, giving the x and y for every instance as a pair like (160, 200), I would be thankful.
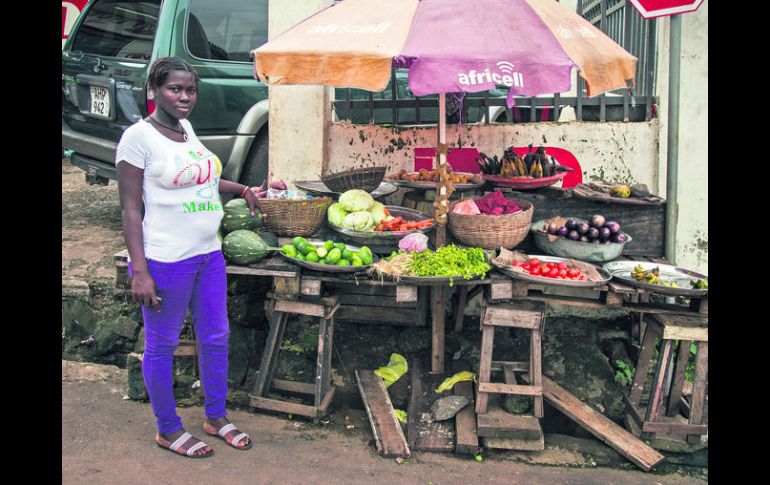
(107, 57)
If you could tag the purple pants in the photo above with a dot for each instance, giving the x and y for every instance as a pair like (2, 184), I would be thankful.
(200, 285)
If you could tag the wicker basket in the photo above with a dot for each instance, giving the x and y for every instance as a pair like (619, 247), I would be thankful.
(491, 232)
(294, 217)
(367, 179)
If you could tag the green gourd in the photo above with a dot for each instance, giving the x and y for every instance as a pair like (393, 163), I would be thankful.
(237, 216)
(243, 247)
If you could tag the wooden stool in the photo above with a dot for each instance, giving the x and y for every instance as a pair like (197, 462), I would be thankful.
(528, 315)
(671, 329)
(321, 390)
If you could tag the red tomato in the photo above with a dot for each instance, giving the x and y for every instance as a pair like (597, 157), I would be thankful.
(534, 261)
(534, 270)
(573, 271)
(525, 266)
(562, 265)
(582, 277)
(562, 272)
(553, 273)
(550, 265)
(516, 263)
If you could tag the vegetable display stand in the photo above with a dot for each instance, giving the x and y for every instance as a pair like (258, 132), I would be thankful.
(321, 391)
(665, 414)
(493, 422)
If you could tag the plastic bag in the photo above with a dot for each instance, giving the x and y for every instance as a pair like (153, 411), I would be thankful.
(416, 241)
(449, 382)
(394, 370)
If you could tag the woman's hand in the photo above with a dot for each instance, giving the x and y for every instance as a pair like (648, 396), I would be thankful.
(143, 290)
(251, 200)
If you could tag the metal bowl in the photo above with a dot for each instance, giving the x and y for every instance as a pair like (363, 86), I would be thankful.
(329, 268)
(385, 237)
(567, 248)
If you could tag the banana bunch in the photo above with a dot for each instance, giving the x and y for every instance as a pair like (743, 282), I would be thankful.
(651, 277)
(512, 165)
(539, 165)
(700, 284)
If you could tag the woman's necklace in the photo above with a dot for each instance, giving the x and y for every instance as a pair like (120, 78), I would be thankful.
(184, 134)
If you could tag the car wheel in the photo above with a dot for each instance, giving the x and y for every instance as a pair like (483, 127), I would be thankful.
(255, 166)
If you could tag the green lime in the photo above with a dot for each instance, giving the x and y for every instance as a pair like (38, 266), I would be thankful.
(329, 245)
(289, 250)
(343, 262)
(340, 246)
(312, 257)
(322, 252)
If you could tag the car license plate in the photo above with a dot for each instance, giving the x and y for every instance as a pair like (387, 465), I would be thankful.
(100, 101)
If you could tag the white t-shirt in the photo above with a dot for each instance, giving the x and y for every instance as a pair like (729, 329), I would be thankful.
(180, 191)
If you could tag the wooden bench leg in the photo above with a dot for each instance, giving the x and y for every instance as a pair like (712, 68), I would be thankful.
(699, 388)
(658, 383)
(643, 365)
(460, 309)
(677, 382)
(485, 366)
(270, 353)
(535, 369)
(321, 372)
(437, 347)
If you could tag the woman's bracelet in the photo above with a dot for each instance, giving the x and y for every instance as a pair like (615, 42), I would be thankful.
(243, 194)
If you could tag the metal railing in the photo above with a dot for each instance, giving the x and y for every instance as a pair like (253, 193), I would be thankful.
(616, 18)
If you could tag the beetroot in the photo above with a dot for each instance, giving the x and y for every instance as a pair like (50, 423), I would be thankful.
(496, 204)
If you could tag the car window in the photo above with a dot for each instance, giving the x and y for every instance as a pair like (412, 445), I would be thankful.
(226, 29)
(118, 28)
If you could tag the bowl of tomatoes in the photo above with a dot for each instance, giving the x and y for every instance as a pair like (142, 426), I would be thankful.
(551, 270)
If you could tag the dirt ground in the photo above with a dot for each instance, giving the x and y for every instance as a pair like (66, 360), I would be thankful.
(107, 438)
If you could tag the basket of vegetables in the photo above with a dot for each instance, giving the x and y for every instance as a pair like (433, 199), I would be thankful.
(491, 221)
(287, 217)
(358, 217)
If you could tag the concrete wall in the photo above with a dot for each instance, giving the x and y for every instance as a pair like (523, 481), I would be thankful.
(299, 115)
(613, 151)
(692, 192)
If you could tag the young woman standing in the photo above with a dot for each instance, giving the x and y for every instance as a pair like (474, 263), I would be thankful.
(175, 257)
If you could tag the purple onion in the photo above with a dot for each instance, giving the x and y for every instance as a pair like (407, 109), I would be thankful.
(597, 220)
(553, 228)
(618, 238)
(593, 233)
(604, 233)
(613, 226)
(583, 228)
(563, 231)
(571, 224)
(574, 235)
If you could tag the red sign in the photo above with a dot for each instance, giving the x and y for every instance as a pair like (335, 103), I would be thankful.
(650, 9)
(69, 13)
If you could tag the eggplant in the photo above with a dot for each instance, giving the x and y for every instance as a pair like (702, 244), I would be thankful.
(619, 238)
(583, 239)
(593, 233)
(613, 226)
(604, 233)
(574, 235)
(597, 220)
(583, 228)
(563, 231)
(571, 224)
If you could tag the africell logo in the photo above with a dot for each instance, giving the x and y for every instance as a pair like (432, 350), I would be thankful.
(69, 13)
(350, 29)
(505, 75)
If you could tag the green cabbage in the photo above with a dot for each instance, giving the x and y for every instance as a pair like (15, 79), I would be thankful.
(356, 200)
(378, 212)
(360, 221)
(336, 214)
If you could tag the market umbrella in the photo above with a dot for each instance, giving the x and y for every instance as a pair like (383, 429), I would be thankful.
(449, 46)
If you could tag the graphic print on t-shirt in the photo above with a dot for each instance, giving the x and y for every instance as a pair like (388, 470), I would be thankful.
(201, 168)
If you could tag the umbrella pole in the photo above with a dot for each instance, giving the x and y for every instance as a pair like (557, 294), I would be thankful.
(441, 187)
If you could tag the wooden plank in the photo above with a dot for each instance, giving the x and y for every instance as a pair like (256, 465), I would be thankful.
(269, 404)
(413, 414)
(292, 386)
(518, 314)
(675, 428)
(633, 412)
(186, 348)
(500, 365)
(245, 270)
(365, 286)
(286, 287)
(515, 444)
(536, 369)
(677, 381)
(435, 435)
(659, 381)
(501, 290)
(460, 308)
(406, 294)
(510, 389)
(601, 426)
(437, 341)
(322, 308)
(321, 385)
(423, 305)
(270, 354)
(467, 440)
(498, 423)
(374, 301)
(326, 401)
(310, 287)
(388, 436)
(381, 315)
(485, 367)
(686, 333)
(699, 386)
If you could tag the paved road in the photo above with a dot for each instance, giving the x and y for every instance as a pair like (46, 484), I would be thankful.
(108, 440)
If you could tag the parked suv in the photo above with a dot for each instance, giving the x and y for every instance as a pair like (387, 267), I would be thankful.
(108, 54)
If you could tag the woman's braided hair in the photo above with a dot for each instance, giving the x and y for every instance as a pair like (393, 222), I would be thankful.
(164, 65)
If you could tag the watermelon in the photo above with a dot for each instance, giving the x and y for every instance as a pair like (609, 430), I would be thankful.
(270, 239)
(243, 247)
(237, 217)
